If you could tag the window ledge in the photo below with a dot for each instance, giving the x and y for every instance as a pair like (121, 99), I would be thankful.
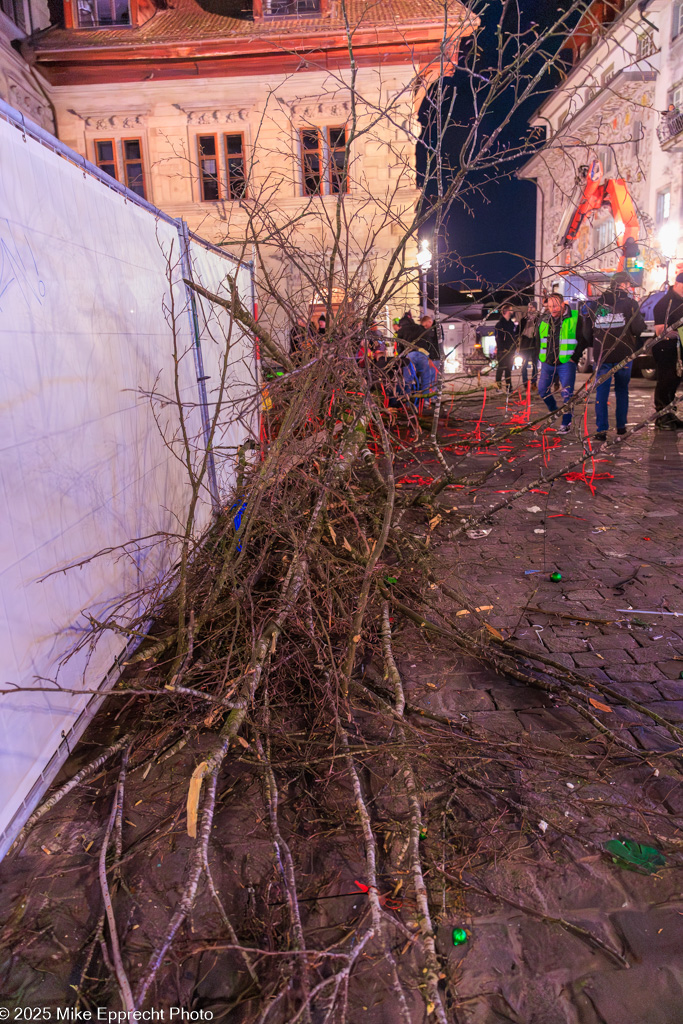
(102, 28)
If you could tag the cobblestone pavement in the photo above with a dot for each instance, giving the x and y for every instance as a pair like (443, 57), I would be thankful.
(620, 557)
(619, 553)
(514, 843)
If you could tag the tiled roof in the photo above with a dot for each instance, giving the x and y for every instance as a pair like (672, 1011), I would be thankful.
(187, 21)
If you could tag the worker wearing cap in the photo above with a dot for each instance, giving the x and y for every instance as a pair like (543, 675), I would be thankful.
(668, 314)
(616, 336)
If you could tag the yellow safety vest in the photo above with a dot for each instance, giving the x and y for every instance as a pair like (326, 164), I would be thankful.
(567, 337)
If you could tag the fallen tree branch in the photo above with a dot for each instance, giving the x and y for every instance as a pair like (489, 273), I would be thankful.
(79, 777)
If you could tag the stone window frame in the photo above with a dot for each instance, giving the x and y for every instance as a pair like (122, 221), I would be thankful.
(125, 161)
(663, 206)
(119, 135)
(99, 161)
(675, 95)
(330, 151)
(604, 236)
(245, 166)
(677, 19)
(201, 157)
(645, 45)
(220, 136)
(324, 150)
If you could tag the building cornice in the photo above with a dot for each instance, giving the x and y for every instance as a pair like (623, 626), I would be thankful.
(587, 63)
(609, 93)
(233, 58)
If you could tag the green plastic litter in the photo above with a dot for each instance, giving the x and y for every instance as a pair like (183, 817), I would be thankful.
(634, 856)
(556, 576)
(459, 936)
(392, 579)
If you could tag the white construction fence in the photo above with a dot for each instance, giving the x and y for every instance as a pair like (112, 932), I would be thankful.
(97, 330)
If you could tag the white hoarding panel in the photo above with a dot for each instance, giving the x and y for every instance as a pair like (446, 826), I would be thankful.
(91, 306)
(223, 342)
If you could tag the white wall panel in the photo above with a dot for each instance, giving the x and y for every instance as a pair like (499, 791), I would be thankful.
(222, 339)
(83, 466)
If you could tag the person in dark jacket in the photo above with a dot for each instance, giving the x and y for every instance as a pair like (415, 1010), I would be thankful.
(562, 337)
(408, 332)
(426, 359)
(528, 343)
(616, 336)
(668, 313)
(406, 340)
(506, 346)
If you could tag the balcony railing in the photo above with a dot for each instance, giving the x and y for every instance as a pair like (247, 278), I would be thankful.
(670, 127)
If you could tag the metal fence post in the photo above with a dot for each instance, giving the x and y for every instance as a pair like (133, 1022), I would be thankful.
(186, 263)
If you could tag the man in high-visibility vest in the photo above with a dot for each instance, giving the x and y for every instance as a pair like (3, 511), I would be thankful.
(562, 339)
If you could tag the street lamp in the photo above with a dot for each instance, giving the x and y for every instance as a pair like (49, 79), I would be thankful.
(668, 243)
(424, 262)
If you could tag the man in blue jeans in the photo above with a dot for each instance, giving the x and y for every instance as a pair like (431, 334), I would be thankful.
(616, 336)
(562, 338)
(426, 360)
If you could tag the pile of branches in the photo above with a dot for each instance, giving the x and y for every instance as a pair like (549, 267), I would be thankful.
(268, 712)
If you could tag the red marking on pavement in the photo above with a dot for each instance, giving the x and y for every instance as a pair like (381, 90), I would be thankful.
(520, 418)
(477, 429)
(574, 477)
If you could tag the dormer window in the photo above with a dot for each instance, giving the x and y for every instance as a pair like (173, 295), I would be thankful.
(89, 14)
(289, 8)
(103, 13)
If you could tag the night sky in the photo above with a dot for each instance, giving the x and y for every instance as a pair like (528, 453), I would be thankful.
(503, 218)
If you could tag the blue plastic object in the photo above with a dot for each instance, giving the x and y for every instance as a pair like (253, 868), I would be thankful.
(237, 521)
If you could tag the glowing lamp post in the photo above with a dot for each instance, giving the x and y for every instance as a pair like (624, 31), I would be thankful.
(424, 262)
(668, 242)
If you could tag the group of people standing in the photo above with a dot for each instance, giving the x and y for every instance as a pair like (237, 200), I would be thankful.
(419, 351)
(413, 370)
(514, 339)
(550, 344)
(557, 338)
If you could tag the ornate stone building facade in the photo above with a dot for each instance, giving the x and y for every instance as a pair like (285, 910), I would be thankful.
(20, 85)
(608, 116)
(236, 116)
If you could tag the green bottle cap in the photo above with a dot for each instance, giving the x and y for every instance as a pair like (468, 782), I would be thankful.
(459, 936)
(556, 577)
